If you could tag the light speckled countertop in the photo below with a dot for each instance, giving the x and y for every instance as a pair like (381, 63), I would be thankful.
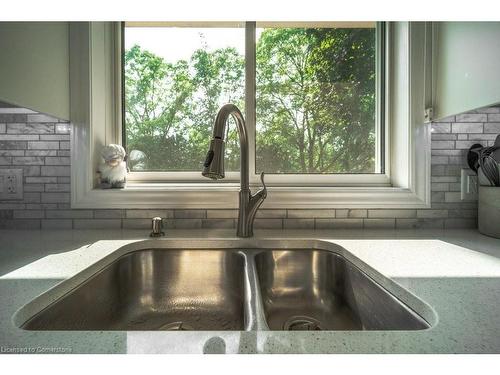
(455, 272)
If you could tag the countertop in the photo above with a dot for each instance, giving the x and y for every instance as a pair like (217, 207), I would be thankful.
(455, 272)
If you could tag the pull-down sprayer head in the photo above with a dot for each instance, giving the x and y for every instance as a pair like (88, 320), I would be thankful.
(214, 163)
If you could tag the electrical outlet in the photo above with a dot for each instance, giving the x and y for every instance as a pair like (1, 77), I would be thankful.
(468, 182)
(11, 184)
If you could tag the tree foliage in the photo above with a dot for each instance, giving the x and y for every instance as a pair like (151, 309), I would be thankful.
(315, 102)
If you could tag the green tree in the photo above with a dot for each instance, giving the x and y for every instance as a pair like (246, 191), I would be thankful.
(170, 107)
(157, 100)
(315, 100)
(219, 77)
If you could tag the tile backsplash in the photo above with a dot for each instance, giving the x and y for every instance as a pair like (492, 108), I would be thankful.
(40, 145)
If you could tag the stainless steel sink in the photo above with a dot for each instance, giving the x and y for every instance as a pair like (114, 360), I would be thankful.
(154, 290)
(319, 290)
(223, 285)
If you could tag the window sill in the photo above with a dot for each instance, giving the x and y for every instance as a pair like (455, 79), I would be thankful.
(225, 195)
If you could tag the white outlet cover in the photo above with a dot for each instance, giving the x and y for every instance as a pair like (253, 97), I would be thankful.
(468, 185)
(11, 184)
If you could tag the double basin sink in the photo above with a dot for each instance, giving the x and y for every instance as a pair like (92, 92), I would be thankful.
(225, 289)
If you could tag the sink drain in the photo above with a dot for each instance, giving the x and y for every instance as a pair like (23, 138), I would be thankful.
(176, 326)
(302, 323)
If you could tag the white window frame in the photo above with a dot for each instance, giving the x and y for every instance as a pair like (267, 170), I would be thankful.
(95, 96)
(276, 179)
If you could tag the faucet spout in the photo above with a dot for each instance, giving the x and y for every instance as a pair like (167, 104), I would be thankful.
(214, 167)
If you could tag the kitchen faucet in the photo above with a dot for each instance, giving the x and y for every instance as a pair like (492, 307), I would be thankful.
(214, 167)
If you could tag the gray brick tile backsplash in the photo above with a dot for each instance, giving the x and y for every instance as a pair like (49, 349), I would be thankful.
(59, 160)
(488, 110)
(12, 117)
(420, 223)
(11, 152)
(181, 223)
(440, 145)
(467, 127)
(440, 186)
(39, 144)
(13, 145)
(494, 117)
(69, 214)
(40, 180)
(190, 214)
(492, 127)
(271, 214)
(40, 153)
(19, 137)
(267, 223)
(43, 145)
(30, 170)
(432, 214)
(352, 213)
(5, 160)
(382, 214)
(29, 214)
(63, 128)
(297, 214)
(38, 117)
(57, 224)
(298, 223)
(443, 137)
(218, 223)
(441, 127)
(109, 214)
(55, 197)
(20, 128)
(55, 137)
(97, 224)
(379, 223)
(55, 171)
(471, 117)
(64, 145)
(482, 137)
(460, 223)
(34, 187)
(136, 224)
(28, 160)
(57, 188)
(222, 214)
(339, 223)
(148, 214)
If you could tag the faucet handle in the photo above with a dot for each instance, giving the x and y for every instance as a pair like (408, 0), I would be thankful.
(263, 191)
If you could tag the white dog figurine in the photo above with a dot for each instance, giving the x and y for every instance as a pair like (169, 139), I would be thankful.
(113, 168)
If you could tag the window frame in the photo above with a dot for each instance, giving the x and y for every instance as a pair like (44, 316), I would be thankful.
(95, 86)
(378, 178)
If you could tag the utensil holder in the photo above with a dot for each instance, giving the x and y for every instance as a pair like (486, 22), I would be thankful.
(489, 210)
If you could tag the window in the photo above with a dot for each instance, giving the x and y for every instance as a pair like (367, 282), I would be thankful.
(316, 99)
(312, 100)
(176, 78)
(399, 179)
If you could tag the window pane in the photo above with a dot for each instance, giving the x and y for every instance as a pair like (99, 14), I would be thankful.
(315, 100)
(176, 78)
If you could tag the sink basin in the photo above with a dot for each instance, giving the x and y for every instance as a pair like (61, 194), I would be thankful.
(224, 285)
(320, 290)
(154, 290)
